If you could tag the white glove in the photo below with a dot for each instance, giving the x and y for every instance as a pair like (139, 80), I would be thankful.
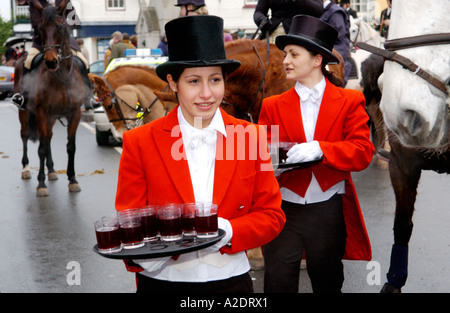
(304, 152)
(226, 226)
(151, 265)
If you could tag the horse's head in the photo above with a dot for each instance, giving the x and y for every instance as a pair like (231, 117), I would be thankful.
(414, 109)
(355, 24)
(55, 36)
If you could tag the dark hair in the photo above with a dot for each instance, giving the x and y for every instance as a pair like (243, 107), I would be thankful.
(339, 82)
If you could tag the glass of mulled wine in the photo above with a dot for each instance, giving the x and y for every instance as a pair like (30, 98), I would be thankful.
(130, 226)
(169, 222)
(283, 149)
(188, 218)
(108, 234)
(206, 224)
(149, 222)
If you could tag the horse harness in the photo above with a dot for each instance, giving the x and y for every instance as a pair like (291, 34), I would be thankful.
(411, 42)
(138, 109)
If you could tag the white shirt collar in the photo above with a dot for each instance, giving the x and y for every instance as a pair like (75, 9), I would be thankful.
(326, 3)
(217, 122)
(316, 92)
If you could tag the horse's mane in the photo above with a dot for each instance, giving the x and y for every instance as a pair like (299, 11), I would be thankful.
(133, 74)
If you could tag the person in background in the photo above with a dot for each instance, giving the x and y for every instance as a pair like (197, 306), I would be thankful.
(133, 40)
(163, 45)
(385, 18)
(282, 12)
(227, 36)
(345, 4)
(337, 17)
(192, 7)
(118, 48)
(108, 52)
(199, 153)
(10, 54)
(126, 40)
(323, 217)
(241, 35)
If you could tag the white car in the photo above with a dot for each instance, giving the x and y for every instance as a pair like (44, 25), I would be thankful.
(103, 127)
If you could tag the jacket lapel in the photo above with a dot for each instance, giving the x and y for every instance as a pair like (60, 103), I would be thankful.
(171, 150)
(291, 117)
(332, 102)
(226, 159)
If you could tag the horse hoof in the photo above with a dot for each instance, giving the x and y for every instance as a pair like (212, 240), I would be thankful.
(42, 192)
(26, 175)
(52, 176)
(390, 289)
(74, 187)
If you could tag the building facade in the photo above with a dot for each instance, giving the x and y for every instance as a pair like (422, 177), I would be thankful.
(146, 18)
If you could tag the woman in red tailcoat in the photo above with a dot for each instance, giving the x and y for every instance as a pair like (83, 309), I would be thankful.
(324, 222)
(198, 153)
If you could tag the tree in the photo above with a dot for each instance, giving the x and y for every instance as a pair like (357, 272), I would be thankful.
(6, 30)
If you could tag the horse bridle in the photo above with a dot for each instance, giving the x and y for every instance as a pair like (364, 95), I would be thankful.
(60, 56)
(411, 42)
(137, 109)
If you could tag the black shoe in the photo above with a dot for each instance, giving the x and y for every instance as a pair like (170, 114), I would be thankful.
(18, 100)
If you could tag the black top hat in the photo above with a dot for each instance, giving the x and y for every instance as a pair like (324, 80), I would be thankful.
(312, 34)
(196, 3)
(195, 41)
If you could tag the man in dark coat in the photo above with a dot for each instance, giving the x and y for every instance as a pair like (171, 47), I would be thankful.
(347, 7)
(282, 11)
(338, 18)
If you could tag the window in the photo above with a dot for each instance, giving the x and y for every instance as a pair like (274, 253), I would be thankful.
(250, 3)
(115, 4)
(361, 5)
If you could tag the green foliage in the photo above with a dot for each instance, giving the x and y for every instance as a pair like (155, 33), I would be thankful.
(6, 30)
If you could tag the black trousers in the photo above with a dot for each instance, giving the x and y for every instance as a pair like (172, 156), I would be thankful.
(318, 230)
(238, 284)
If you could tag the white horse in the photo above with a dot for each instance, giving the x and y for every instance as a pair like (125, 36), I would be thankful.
(413, 109)
(361, 31)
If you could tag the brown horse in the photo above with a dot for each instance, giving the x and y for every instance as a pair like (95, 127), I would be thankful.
(55, 90)
(131, 96)
(258, 77)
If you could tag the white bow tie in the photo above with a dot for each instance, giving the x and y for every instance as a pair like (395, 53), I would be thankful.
(206, 135)
(306, 93)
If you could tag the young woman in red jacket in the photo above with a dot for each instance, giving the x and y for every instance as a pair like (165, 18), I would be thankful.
(324, 222)
(198, 153)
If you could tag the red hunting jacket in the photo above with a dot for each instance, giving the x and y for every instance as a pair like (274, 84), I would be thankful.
(344, 138)
(154, 170)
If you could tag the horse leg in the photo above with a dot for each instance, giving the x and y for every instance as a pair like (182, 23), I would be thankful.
(26, 174)
(42, 190)
(405, 178)
(50, 166)
(71, 147)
